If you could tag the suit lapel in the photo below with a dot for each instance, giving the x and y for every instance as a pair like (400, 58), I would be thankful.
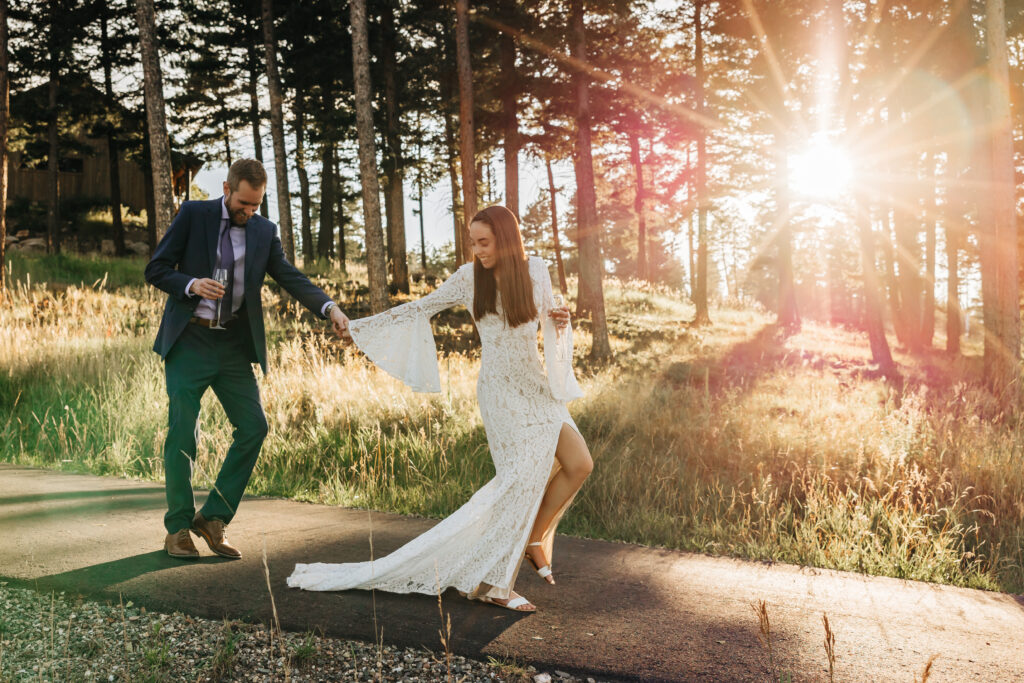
(213, 232)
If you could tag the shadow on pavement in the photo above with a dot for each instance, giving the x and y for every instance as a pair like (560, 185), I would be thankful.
(97, 578)
(112, 501)
(68, 495)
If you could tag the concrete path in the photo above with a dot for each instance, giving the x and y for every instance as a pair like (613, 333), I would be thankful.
(619, 612)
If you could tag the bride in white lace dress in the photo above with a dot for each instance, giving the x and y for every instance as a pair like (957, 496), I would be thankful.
(540, 458)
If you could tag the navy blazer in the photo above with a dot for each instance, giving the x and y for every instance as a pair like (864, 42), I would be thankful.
(189, 249)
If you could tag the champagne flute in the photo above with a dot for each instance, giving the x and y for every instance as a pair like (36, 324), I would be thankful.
(561, 338)
(221, 276)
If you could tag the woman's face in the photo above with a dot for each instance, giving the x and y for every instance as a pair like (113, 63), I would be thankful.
(481, 240)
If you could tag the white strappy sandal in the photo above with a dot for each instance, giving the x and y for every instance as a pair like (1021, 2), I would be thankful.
(514, 604)
(545, 571)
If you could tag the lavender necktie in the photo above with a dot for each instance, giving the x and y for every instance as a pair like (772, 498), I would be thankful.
(227, 261)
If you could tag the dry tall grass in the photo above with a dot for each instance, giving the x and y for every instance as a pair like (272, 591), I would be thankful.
(730, 440)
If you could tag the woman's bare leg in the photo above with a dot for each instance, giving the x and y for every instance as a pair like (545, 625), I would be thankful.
(574, 457)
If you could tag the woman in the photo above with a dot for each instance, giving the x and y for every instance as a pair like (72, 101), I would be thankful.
(539, 457)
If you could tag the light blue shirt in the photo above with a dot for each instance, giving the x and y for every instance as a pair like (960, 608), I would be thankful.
(207, 308)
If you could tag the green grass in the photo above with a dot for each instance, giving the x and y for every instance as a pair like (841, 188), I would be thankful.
(732, 439)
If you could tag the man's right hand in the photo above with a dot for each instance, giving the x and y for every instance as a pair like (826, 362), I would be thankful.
(207, 288)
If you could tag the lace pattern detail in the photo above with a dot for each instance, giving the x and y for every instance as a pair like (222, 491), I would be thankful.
(479, 547)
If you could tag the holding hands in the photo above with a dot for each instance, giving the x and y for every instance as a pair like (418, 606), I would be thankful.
(339, 321)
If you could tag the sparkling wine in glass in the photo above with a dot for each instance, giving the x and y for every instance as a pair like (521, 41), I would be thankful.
(221, 276)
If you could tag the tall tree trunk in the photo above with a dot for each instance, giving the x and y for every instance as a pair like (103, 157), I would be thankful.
(509, 108)
(892, 283)
(638, 207)
(423, 239)
(562, 285)
(966, 175)
(150, 192)
(254, 118)
(160, 150)
(53, 156)
(284, 197)
(339, 193)
(308, 253)
(447, 93)
(375, 265)
(954, 216)
(113, 154)
(226, 134)
(788, 313)
(691, 253)
(395, 164)
(930, 221)
(998, 238)
(325, 241)
(468, 153)
(328, 186)
(5, 109)
(700, 298)
(873, 320)
(591, 290)
(908, 250)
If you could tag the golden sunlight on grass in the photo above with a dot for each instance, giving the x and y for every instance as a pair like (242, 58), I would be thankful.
(732, 439)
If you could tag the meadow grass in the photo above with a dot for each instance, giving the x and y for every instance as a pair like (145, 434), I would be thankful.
(733, 439)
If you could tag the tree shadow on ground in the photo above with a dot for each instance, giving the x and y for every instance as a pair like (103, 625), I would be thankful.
(113, 501)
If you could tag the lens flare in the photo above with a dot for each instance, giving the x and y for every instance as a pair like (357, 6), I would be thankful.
(823, 170)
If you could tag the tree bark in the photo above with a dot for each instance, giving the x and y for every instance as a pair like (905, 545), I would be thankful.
(509, 106)
(113, 153)
(447, 91)
(691, 254)
(5, 110)
(339, 194)
(325, 241)
(254, 120)
(562, 284)
(308, 253)
(375, 265)
(999, 235)
(160, 150)
(53, 155)
(700, 298)
(873, 320)
(468, 153)
(395, 164)
(591, 289)
(638, 207)
(788, 313)
(284, 198)
(927, 334)
(954, 237)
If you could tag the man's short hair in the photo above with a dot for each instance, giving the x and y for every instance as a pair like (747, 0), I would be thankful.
(248, 170)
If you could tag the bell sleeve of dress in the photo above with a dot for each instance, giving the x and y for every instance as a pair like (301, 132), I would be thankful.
(558, 347)
(400, 340)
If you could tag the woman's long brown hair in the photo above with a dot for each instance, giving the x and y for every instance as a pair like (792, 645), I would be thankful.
(515, 285)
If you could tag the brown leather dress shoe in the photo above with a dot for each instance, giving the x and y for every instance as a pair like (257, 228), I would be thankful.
(212, 531)
(180, 545)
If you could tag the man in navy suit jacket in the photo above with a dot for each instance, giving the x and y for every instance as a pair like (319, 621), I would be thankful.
(200, 354)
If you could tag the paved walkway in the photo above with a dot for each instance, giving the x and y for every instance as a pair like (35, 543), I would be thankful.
(619, 612)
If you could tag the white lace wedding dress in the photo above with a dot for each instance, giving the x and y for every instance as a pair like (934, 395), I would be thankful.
(479, 547)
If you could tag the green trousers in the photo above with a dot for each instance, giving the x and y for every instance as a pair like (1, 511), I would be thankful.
(219, 359)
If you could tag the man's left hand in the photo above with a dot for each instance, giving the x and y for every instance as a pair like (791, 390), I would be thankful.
(339, 321)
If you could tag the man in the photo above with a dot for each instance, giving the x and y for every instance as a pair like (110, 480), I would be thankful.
(206, 235)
